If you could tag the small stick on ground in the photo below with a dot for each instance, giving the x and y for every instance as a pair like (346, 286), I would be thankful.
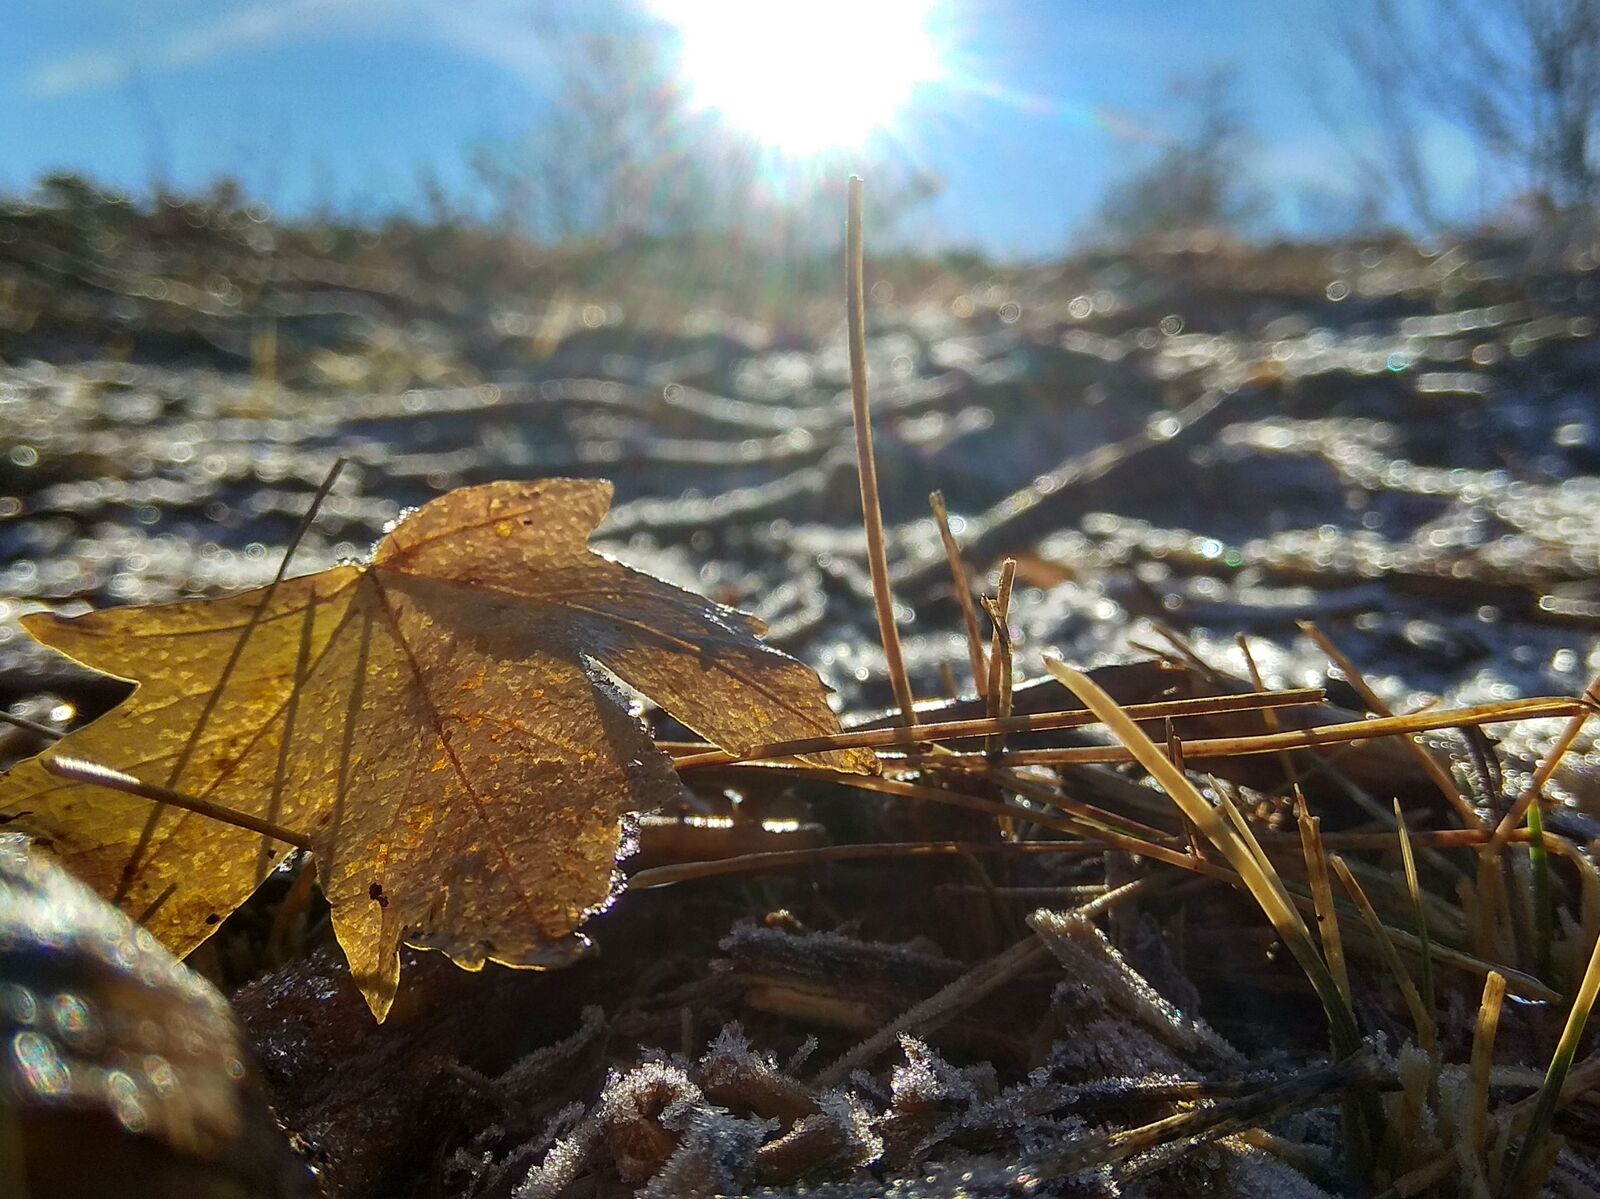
(866, 463)
(798, 859)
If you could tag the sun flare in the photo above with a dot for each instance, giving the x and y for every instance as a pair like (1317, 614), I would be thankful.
(805, 77)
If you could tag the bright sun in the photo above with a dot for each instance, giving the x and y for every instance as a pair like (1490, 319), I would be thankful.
(805, 75)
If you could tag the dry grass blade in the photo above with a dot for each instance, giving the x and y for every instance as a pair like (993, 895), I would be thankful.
(693, 756)
(81, 771)
(1414, 888)
(1440, 776)
(197, 733)
(796, 859)
(1316, 860)
(1475, 1142)
(1000, 657)
(1421, 1017)
(1249, 861)
(1535, 788)
(1290, 770)
(1271, 743)
(963, 589)
(866, 463)
(31, 726)
(1320, 1086)
(1072, 819)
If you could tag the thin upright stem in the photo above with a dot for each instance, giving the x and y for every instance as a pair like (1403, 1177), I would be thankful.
(871, 507)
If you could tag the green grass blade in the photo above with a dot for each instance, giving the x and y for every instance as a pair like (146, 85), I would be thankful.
(1555, 1078)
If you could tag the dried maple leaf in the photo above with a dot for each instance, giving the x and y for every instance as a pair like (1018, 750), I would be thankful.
(436, 721)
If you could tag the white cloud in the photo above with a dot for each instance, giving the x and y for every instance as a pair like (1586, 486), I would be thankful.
(497, 31)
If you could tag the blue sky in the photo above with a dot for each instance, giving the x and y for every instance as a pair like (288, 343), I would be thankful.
(341, 101)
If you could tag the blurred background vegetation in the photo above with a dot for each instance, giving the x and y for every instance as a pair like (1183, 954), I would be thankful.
(624, 157)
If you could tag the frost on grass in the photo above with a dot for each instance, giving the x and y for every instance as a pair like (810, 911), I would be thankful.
(1111, 1060)
(1093, 964)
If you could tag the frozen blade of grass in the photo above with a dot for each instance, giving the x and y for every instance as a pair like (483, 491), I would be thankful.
(1415, 889)
(983, 979)
(1524, 1174)
(1316, 861)
(1421, 1018)
(1319, 1086)
(1236, 845)
(986, 977)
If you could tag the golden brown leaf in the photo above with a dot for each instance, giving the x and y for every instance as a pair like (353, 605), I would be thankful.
(437, 721)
